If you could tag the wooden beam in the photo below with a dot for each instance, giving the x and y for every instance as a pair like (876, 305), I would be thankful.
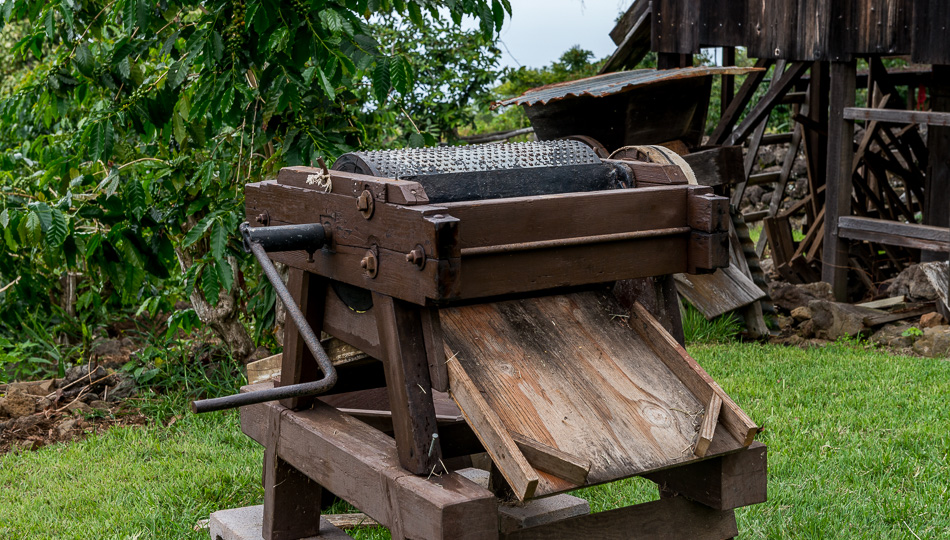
(733, 418)
(708, 427)
(760, 112)
(291, 499)
(367, 474)
(297, 363)
(729, 118)
(838, 193)
(895, 116)
(723, 483)
(895, 233)
(407, 380)
(665, 519)
(553, 461)
(499, 444)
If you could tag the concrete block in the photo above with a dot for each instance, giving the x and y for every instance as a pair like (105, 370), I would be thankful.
(540, 511)
(246, 524)
(479, 476)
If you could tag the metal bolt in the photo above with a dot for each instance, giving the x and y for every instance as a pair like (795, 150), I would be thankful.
(417, 256)
(263, 218)
(365, 204)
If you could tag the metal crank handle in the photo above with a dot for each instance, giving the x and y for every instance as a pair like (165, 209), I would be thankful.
(285, 238)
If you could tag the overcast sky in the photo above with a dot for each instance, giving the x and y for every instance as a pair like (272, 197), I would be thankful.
(539, 31)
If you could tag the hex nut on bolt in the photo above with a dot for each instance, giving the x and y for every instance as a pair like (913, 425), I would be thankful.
(365, 204)
(369, 264)
(417, 257)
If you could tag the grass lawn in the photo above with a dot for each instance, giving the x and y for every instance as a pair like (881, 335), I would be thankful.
(858, 447)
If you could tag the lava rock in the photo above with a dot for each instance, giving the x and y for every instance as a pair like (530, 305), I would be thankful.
(932, 319)
(833, 320)
(124, 389)
(77, 407)
(913, 283)
(65, 427)
(802, 313)
(789, 297)
(18, 403)
(934, 343)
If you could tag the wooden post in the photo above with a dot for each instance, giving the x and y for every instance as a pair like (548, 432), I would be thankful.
(937, 188)
(727, 86)
(291, 499)
(816, 142)
(838, 188)
(401, 335)
(298, 364)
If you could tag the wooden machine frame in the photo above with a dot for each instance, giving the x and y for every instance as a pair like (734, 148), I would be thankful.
(418, 259)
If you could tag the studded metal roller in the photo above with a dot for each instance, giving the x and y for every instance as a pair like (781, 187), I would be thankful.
(491, 171)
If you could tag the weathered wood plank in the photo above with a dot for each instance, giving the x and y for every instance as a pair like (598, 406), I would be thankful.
(674, 518)
(725, 290)
(346, 183)
(490, 430)
(568, 372)
(708, 428)
(691, 374)
(896, 116)
(552, 217)
(553, 461)
(367, 474)
(895, 233)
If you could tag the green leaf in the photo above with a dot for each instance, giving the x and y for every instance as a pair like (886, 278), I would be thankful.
(57, 230)
(4, 218)
(219, 240)
(381, 80)
(332, 20)
(198, 231)
(325, 84)
(416, 140)
(135, 197)
(92, 244)
(31, 231)
(84, 61)
(50, 23)
(225, 274)
(210, 285)
(177, 73)
(498, 12)
(101, 139)
(128, 15)
(400, 74)
(44, 212)
(415, 14)
(110, 183)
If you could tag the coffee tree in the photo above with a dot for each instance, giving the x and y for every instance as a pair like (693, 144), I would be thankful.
(128, 128)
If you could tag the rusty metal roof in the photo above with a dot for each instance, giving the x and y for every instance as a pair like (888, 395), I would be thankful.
(615, 83)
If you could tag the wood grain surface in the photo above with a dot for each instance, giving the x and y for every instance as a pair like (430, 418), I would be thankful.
(569, 373)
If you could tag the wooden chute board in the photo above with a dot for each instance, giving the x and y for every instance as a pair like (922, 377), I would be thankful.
(569, 372)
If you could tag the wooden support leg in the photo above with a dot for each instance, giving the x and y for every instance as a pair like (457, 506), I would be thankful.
(937, 190)
(838, 189)
(291, 500)
(298, 364)
(359, 463)
(407, 379)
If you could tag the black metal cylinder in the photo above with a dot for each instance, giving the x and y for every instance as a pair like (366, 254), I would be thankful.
(308, 237)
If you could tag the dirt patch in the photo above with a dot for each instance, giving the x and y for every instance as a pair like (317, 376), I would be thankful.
(48, 427)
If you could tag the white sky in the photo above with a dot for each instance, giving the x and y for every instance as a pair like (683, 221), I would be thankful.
(539, 31)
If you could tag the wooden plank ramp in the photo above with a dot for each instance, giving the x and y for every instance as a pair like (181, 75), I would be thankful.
(568, 372)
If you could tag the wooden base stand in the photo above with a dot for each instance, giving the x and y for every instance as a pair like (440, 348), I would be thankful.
(361, 464)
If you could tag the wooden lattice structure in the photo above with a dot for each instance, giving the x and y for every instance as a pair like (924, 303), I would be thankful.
(874, 205)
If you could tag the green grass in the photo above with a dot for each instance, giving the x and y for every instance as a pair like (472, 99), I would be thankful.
(858, 447)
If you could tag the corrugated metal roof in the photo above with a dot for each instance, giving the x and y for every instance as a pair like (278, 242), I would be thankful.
(615, 83)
